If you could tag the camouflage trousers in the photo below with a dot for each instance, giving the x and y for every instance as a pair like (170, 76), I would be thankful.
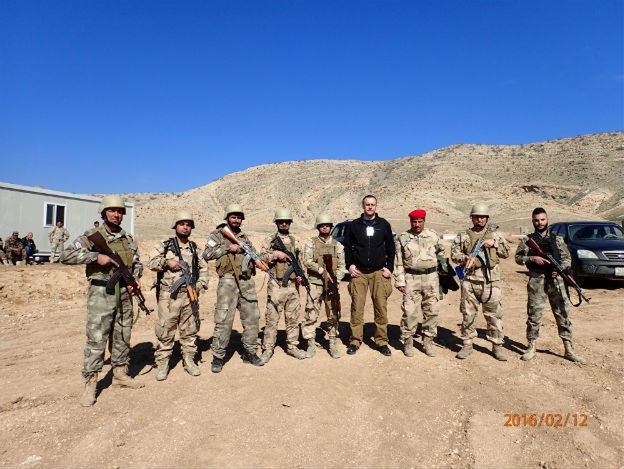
(175, 315)
(380, 289)
(420, 291)
(229, 298)
(312, 311)
(474, 294)
(538, 289)
(282, 300)
(15, 256)
(107, 321)
(56, 248)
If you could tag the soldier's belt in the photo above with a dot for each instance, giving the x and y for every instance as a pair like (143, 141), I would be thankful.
(96, 282)
(430, 270)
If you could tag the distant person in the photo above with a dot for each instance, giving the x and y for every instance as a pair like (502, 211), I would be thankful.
(480, 285)
(176, 314)
(14, 248)
(96, 224)
(109, 316)
(416, 277)
(282, 299)
(545, 282)
(30, 247)
(369, 253)
(58, 235)
(314, 251)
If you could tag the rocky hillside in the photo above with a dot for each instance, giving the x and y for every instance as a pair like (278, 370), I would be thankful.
(578, 177)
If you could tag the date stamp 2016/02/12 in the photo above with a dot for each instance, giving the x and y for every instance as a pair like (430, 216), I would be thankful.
(546, 419)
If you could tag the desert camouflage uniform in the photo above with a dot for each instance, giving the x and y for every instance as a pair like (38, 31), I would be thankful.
(478, 288)
(416, 269)
(281, 298)
(176, 314)
(541, 284)
(313, 252)
(109, 317)
(57, 236)
(236, 289)
(15, 250)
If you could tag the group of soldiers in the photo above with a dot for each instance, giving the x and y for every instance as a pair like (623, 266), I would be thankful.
(371, 254)
(22, 250)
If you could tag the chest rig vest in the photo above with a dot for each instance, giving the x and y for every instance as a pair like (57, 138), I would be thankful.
(491, 254)
(194, 263)
(280, 268)
(233, 264)
(119, 245)
(321, 249)
(548, 244)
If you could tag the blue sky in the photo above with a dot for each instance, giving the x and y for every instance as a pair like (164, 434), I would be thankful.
(133, 96)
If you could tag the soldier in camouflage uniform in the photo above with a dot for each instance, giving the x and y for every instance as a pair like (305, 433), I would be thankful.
(544, 281)
(15, 250)
(3, 257)
(236, 289)
(416, 277)
(313, 251)
(480, 285)
(109, 317)
(58, 235)
(280, 298)
(177, 313)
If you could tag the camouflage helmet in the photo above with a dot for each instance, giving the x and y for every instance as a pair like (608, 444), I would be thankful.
(480, 209)
(183, 215)
(282, 214)
(323, 219)
(112, 201)
(233, 208)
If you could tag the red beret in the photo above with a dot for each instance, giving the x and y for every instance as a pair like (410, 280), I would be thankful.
(417, 214)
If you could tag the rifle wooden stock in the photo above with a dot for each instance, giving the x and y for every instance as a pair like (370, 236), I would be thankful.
(332, 293)
(122, 271)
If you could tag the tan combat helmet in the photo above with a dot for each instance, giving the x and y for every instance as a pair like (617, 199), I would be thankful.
(183, 215)
(112, 201)
(282, 214)
(233, 208)
(323, 219)
(480, 209)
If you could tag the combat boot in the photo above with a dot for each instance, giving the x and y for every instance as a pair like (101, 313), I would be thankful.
(296, 352)
(252, 359)
(121, 378)
(266, 356)
(570, 354)
(88, 395)
(189, 364)
(465, 351)
(311, 351)
(530, 352)
(334, 351)
(162, 366)
(428, 346)
(408, 347)
(217, 365)
(497, 351)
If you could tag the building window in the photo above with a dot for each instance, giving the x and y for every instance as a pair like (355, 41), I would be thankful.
(53, 214)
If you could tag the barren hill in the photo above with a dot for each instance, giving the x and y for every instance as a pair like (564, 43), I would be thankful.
(579, 177)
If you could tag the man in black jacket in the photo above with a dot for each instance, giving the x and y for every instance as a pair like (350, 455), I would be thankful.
(369, 254)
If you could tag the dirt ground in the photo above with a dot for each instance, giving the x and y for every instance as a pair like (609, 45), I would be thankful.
(365, 410)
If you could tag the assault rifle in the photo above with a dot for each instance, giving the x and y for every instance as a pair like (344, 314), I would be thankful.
(332, 293)
(567, 279)
(188, 280)
(476, 253)
(122, 272)
(250, 253)
(294, 266)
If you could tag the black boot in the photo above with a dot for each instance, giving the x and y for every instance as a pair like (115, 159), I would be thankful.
(252, 359)
(217, 364)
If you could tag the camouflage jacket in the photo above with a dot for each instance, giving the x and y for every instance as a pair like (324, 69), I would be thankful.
(158, 263)
(524, 256)
(462, 246)
(415, 252)
(81, 251)
(58, 234)
(315, 270)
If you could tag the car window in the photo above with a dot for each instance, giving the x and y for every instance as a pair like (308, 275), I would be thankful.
(596, 232)
(556, 229)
